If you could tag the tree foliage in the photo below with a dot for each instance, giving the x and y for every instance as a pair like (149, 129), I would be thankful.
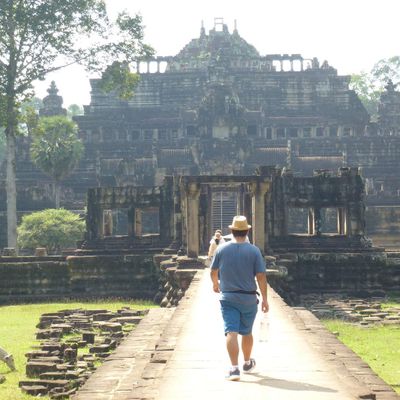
(370, 85)
(368, 92)
(56, 148)
(41, 36)
(74, 109)
(118, 78)
(53, 229)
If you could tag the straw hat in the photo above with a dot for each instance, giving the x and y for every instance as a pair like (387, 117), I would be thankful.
(239, 223)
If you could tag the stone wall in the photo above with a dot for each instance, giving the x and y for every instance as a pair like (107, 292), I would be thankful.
(34, 278)
(383, 225)
(121, 276)
(356, 274)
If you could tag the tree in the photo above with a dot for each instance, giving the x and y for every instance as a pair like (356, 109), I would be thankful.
(2, 144)
(368, 92)
(387, 69)
(56, 149)
(29, 112)
(370, 85)
(41, 36)
(53, 229)
(74, 109)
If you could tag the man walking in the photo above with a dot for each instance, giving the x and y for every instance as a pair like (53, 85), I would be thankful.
(236, 264)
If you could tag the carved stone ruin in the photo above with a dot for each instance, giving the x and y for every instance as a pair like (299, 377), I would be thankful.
(329, 209)
(219, 107)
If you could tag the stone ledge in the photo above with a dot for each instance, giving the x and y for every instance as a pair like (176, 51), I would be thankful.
(147, 387)
(348, 366)
(122, 370)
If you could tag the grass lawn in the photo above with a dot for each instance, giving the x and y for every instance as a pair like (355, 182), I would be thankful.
(378, 346)
(17, 335)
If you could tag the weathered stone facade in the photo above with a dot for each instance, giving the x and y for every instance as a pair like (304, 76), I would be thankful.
(270, 199)
(219, 107)
(312, 228)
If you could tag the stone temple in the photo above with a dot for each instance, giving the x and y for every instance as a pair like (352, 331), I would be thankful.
(218, 107)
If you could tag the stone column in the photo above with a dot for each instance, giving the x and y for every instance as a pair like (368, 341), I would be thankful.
(356, 219)
(192, 219)
(317, 221)
(311, 222)
(131, 221)
(138, 222)
(247, 210)
(107, 225)
(259, 190)
(167, 209)
(341, 221)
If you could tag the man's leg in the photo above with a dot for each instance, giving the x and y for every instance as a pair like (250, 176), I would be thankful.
(246, 325)
(247, 346)
(232, 346)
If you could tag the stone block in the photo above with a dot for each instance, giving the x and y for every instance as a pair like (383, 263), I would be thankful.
(35, 390)
(36, 354)
(70, 354)
(88, 337)
(53, 375)
(35, 368)
(53, 346)
(9, 252)
(65, 328)
(48, 383)
(101, 348)
(40, 252)
(110, 326)
(49, 333)
(127, 320)
(104, 316)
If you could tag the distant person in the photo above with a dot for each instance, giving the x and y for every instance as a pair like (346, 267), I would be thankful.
(231, 237)
(233, 271)
(215, 241)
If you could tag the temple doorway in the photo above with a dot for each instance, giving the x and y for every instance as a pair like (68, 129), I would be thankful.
(224, 206)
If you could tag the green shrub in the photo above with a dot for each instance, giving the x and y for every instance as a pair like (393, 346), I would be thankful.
(53, 229)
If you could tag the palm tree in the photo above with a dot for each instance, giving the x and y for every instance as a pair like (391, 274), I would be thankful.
(56, 149)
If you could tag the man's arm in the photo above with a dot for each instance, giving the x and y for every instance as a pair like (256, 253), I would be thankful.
(262, 284)
(211, 249)
(214, 278)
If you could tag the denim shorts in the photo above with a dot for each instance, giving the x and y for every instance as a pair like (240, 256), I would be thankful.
(238, 317)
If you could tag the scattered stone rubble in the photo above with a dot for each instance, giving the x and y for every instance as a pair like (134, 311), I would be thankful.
(365, 312)
(57, 367)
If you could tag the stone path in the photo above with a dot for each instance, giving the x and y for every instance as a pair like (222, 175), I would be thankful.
(116, 378)
(287, 366)
(296, 358)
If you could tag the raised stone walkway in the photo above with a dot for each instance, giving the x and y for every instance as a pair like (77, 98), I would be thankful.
(185, 358)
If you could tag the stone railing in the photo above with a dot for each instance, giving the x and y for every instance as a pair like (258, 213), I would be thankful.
(176, 276)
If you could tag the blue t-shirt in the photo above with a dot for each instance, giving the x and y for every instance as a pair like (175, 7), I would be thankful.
(238, 264)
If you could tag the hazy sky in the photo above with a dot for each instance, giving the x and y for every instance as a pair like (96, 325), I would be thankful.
(351, 34)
